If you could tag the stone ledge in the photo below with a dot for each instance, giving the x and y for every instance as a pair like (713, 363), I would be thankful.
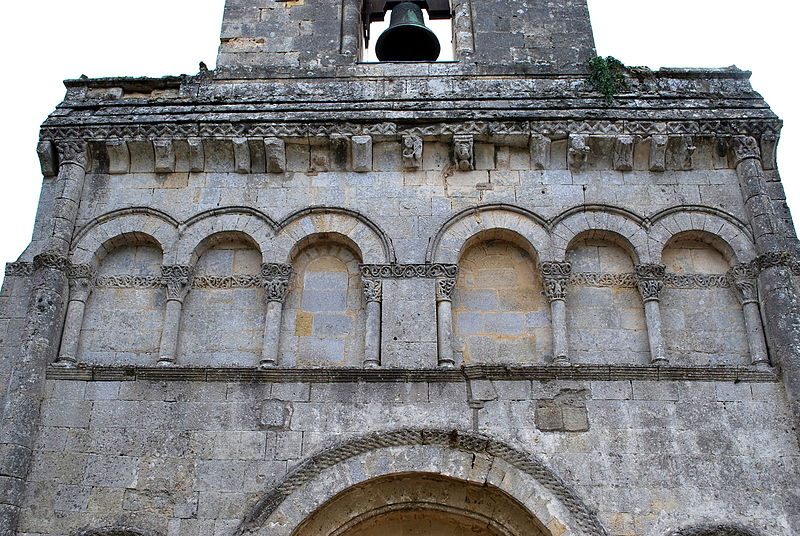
(472, 372)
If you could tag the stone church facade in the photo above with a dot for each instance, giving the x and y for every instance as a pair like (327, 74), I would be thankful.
(307, 295)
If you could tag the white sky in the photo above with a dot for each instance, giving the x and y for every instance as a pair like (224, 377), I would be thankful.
(47, 41)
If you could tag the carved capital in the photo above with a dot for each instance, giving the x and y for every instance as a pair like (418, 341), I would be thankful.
(73, 152)
(650, 280)
(275, 279)
(556, 277)
(746, 290)
(373, 290)
(412, 152)
(444, 288)
(745, 148)
(176, 278)
(51, 261)
(464, 152)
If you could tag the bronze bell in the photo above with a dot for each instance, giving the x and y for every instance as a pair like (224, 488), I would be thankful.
(407, 38)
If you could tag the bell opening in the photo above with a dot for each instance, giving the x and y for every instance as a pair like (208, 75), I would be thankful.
(410, 42)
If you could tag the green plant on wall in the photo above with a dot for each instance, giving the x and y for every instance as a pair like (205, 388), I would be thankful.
(607, 75)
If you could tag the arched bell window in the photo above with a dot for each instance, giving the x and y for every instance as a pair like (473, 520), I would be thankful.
(414, 31)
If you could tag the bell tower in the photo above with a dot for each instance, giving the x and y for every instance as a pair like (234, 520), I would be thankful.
(260, 39)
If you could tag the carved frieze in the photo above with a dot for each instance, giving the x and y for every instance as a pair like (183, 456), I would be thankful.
(19, 269)
(226, 282)
(630, 280)
(129, 281)
(406, 271)
(52, 261)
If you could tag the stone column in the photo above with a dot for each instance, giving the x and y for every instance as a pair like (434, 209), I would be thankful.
(556, 279)
(778, 294)
(742, 277)
(650, 279)
(444, 320)
(275, 278)
(373, 294)
(40, 334)
(176, 279)
(80, 285)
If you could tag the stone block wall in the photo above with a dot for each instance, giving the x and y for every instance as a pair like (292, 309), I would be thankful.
(184, 458)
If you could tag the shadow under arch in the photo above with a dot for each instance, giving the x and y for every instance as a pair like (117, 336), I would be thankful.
(408, 499)
(449, 242)
(532, 476)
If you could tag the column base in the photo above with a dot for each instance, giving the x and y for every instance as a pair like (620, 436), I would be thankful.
(267, 364)
(561, 361)
(659, 361)
(371, 364)
(447, 364)
(761, 364)
(165, 362)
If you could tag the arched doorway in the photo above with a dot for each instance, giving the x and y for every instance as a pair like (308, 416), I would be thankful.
(421, 504)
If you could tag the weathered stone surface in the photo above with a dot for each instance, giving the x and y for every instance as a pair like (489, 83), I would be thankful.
(442, 224)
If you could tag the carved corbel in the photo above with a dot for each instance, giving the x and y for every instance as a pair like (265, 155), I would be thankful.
(275, 151)
(623, 153)
(658, 153)
(197, 155)
(361, 150)
(412, 152)
(769, 148)
(164, 156)
(241, 155)
(578, 152)
(48, 158)
(539, 147)
(464, 152)
(119, 157)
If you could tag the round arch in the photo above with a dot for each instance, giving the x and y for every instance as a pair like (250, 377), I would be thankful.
(451, 454)
(727, 229)
(625, 230)
(113, 228)
(448, 244)
(408, 501)
(371, 242)
(245, 221)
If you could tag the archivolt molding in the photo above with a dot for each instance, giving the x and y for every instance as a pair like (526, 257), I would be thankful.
(446, 247)
(625, 225)
(90, 240)
(722, 226)
(310, 484)
(257, 226)
(374, 245)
